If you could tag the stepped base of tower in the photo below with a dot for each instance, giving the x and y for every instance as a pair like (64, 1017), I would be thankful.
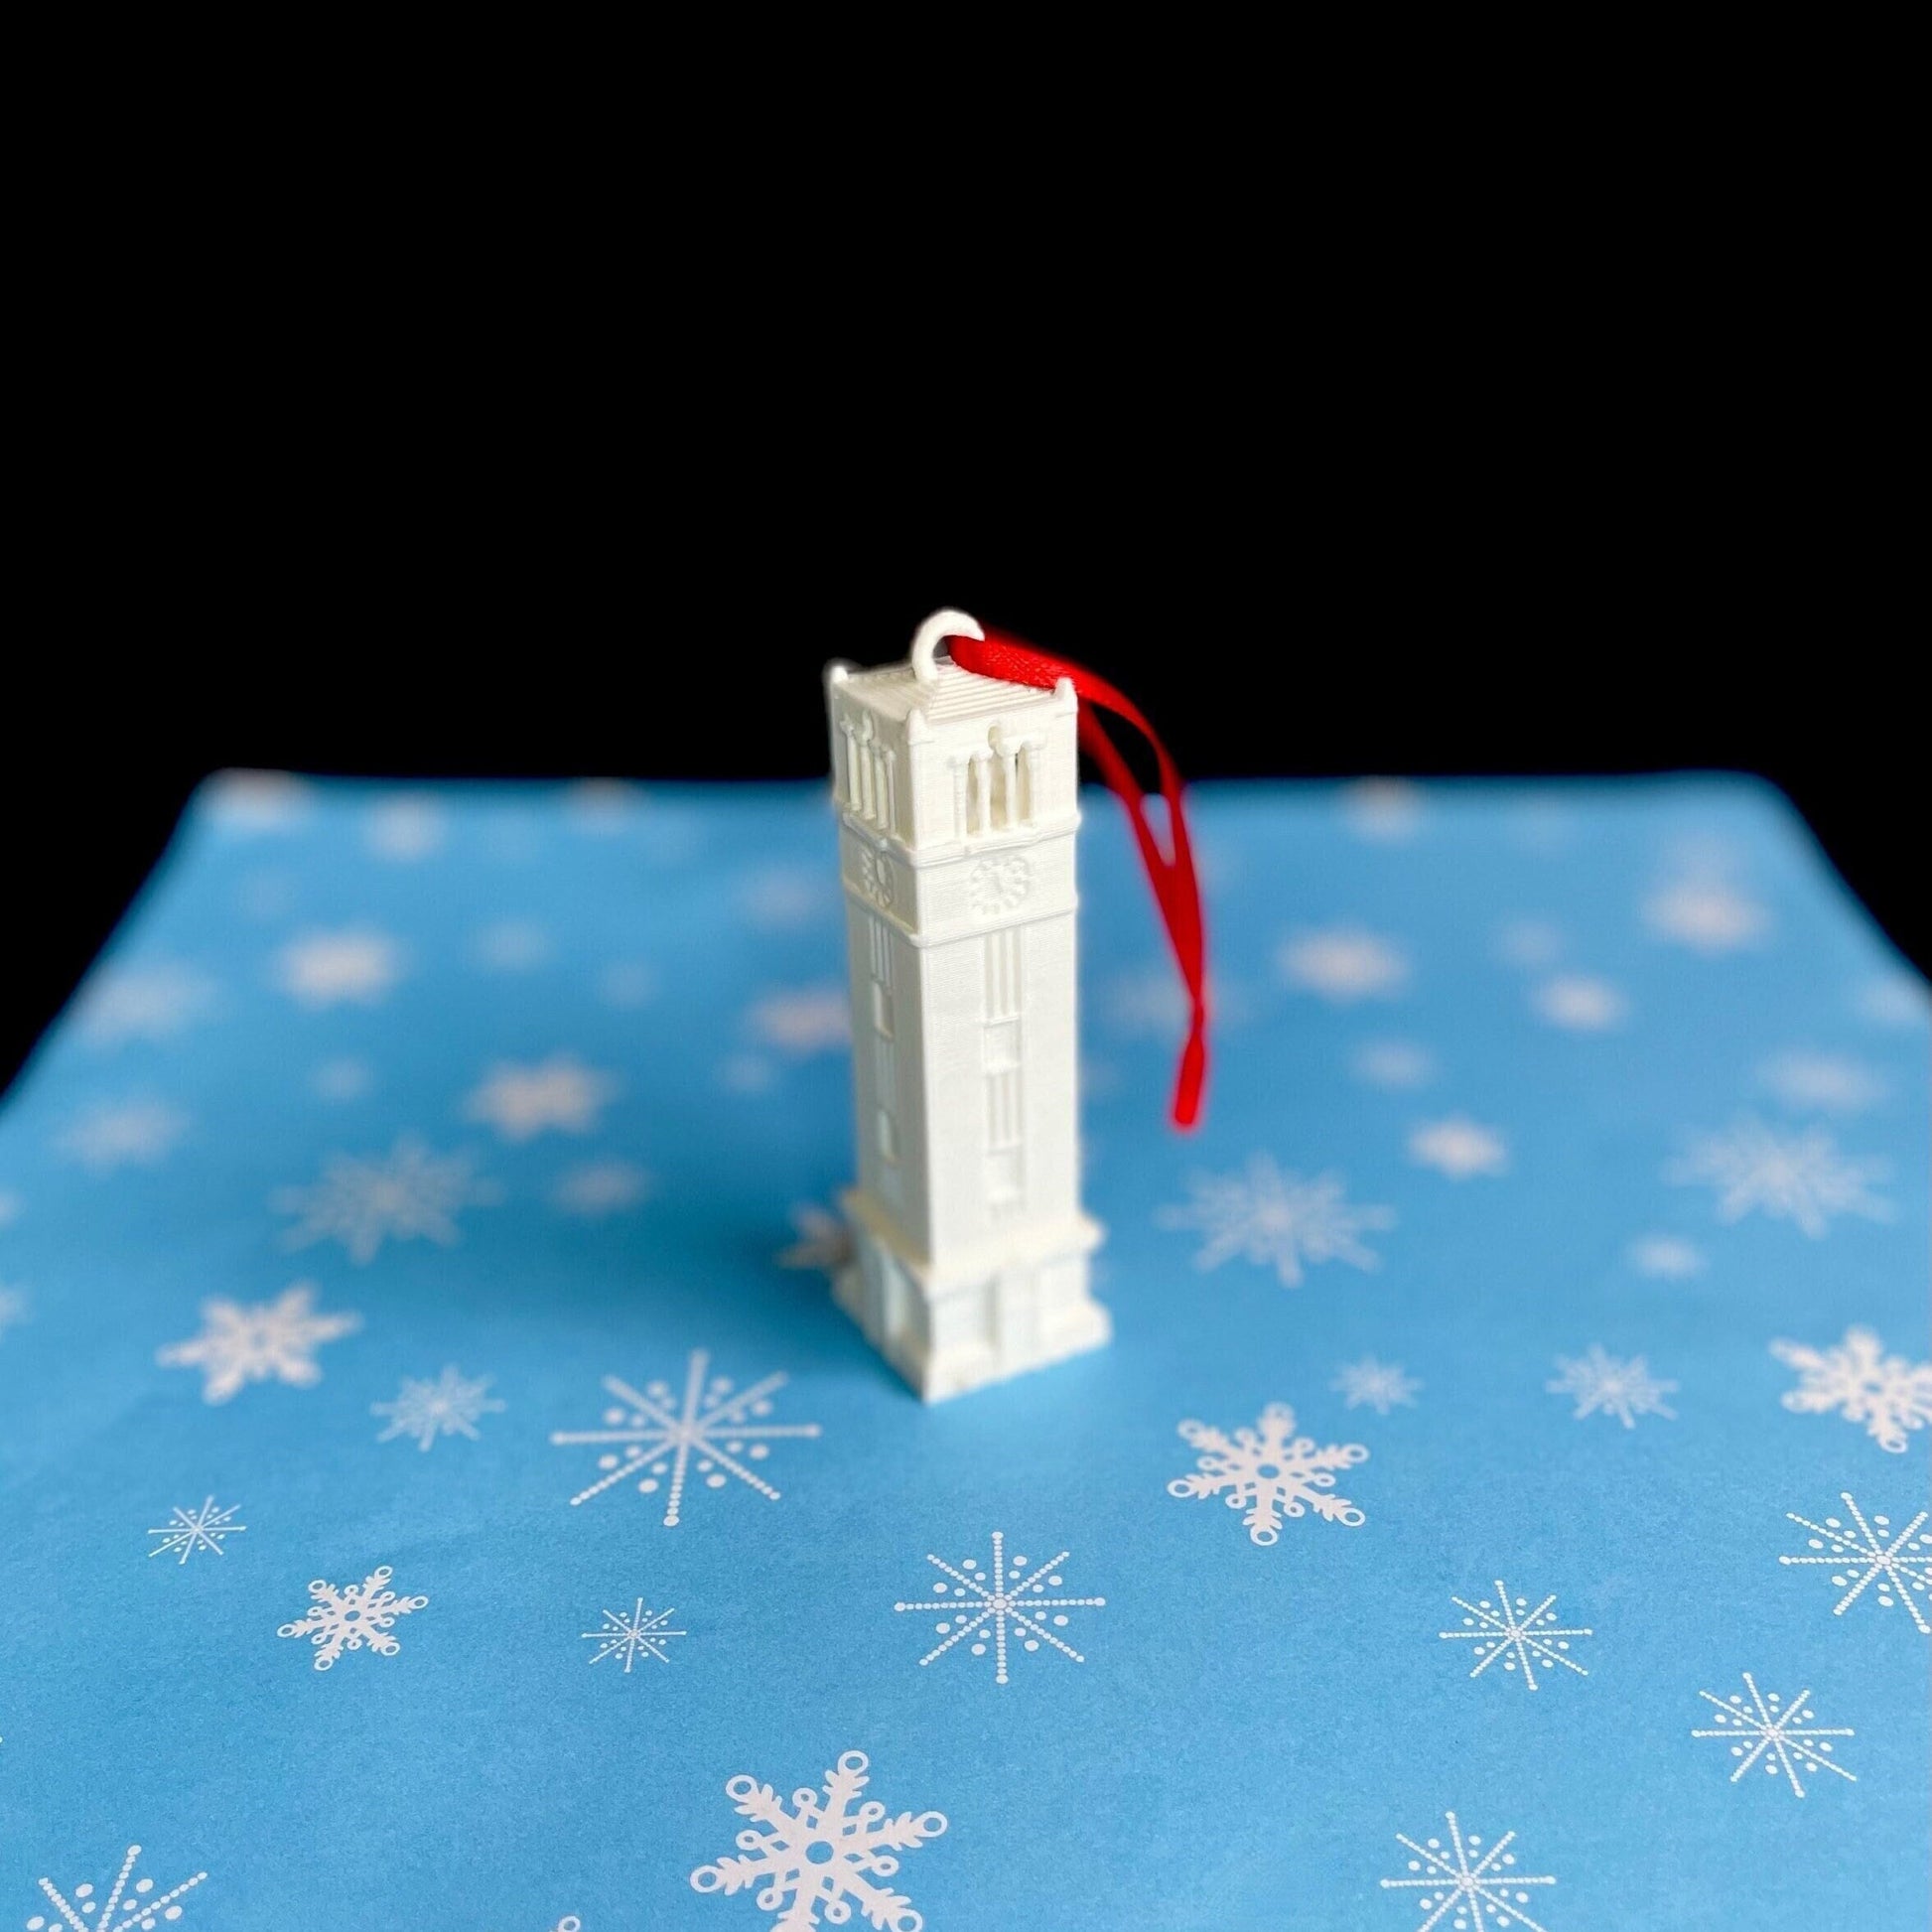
(1020, 1307)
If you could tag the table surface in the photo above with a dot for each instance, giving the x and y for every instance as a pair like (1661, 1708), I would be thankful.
(440, 1492)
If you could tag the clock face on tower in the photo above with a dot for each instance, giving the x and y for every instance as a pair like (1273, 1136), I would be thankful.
(997, 885)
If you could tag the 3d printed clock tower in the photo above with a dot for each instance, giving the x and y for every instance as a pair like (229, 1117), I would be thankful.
(958, 801)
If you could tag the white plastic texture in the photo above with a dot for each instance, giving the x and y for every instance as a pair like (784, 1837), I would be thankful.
(958, 801)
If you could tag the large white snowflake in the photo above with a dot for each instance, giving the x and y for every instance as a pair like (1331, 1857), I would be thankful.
(124, 1908)
(986, 1603)
(1459, 1147)
(600, 1187)
(661, 1435)
(821, 1853)
(1788, 1176)
(1507, 1628)
(138, 1133)
(238, 1346)
(328, 969)
(1277, 1219)
(406, 1195)
(1271, 1473)
(1707, 914)
(351, 1616)
(804, 1020)
(1463, 1878)
(197, 1529)
(1580, 1002)
(449, 1406)
(1611, 1386)
(153, 1001)
(523, 1101)
(1830, 1084)
(1782, 1733)
(1381, 1386)
(1342, 963)
(1858, 1380)
(641, 1634)
(1862, 1557)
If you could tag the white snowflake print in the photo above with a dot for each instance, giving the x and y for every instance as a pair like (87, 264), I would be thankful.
(255, 802)
(662, 1435)
(15, 1308)
(1666, 1257)
(1277, 1219)
(817, 1854)
(1606, 1385)
(1825, 1083)
(523, 1101)
(1781, 1734)
(824, 1241)
(354, 966)
(1786, 1176)
(1381, 1386)
(1464, 1880)
(406, 828)
(1708, 914)
(1399, 1065)
(265, 1341)
(513, 946)
(1271, 1471)
(451, 1405)
(1459, 1147)
(600, 1187)
(350, 1616)
(1506, 1627)
(641, 1633)
(135, 1907)
(116, 1134)
(407, 1194)
(1858, 1380)
(342, 1079)
(1580, 1002)
(1861, 1558)
(197, 1529)
(154, 1000)
(1342, 964)
(1384, 812)
(805, 1019)
(976, 1604)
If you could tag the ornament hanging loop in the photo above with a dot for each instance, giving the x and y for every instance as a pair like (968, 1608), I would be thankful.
(926, 640)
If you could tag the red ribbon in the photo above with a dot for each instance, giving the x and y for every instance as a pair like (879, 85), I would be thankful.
(1176, 891)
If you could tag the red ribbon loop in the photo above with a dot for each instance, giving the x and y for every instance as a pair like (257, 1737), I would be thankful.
(1176, 891)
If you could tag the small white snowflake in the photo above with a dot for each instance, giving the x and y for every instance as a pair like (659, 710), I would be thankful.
(1459, 1147)
(1604, 1384)
(1465, 1880)
(153, 1001)
(513, 946)
(15, 1308)
(821, 1853)
(122, 1134)
(1829, 1083)
(805, 1019)
(1580, 1002)
(197, 1529)
(642, 1633)
(1381, 1386)
(1271, 1471)
(406, 1195)
(355, 964)
(1342, 963)
(1276, 1219)
(663, 1434)
(1781, 1733)
(985, 1604)
(406, 828)
(1384, 812)
(824, 1240)
(600, 1187)
(348, 1616)
(1862, 1557)
(523, 1101)
(1707, 914)
(449, 1406)
(1668, 1257)
(274, 1339)
(1797, 1177)
(124, 1910)
(1397, 1064)
(1507, 1628)
(1858, 1380)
